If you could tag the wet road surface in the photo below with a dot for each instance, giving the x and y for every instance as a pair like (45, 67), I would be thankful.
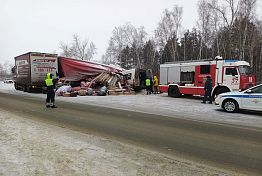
(221, 145)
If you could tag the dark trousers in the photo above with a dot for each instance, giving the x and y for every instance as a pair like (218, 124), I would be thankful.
(149, 89)
(207, 96)
(50, 97)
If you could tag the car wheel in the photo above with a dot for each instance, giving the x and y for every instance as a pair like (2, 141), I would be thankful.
(230, 105)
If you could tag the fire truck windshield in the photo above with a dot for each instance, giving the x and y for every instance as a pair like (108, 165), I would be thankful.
(245, 70)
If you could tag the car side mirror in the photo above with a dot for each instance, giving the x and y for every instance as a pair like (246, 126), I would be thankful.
(249, 91)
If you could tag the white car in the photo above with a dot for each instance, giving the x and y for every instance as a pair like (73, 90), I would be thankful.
(250, 99)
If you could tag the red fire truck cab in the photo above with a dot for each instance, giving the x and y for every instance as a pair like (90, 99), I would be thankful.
(188, 78)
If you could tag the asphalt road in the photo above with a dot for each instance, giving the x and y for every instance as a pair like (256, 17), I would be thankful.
(225, 146)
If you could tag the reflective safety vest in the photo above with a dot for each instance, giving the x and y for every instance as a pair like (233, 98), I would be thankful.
(48, 80)
(148, 82)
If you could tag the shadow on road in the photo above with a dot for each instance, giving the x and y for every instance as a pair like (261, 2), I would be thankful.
(246, 112)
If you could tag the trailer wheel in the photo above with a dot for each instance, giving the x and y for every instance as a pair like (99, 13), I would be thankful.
(173, 91)
(43, 90)
(29, 89)
(25, 88)
(15, 85)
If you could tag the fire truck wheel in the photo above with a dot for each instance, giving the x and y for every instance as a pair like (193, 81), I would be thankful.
(173, 91)
(230, 105)
(218, 91)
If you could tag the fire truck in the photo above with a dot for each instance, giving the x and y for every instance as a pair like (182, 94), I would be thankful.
(188, 78)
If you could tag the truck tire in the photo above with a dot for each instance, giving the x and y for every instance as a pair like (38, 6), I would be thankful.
(43, 91)
(25, 88)
(29, 89)
(230, 105)
(15, 85)
(218, 91)
(173, 91)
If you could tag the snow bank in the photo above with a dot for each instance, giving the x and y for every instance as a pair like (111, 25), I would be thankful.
(28, 147)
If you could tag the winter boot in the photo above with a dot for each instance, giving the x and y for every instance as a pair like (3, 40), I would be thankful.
(52, 105)
(47, 105)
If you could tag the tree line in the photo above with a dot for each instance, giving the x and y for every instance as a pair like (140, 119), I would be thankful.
(5, 70)
(228, 28)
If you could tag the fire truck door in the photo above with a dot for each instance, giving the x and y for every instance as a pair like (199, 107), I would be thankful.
(231, 78)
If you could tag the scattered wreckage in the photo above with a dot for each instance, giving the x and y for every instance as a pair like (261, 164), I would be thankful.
(76, 77)
(101, 85)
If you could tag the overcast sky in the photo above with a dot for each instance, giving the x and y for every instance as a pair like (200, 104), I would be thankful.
(40, 25)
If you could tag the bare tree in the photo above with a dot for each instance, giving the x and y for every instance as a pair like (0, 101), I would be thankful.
(168, 28)
(204, 24)
(248, 8)
(213, 16)
(246, 14)
(123, 36)
(215, 26)
(117, 43)
(79, 49)
(111, 55)
(5, 70)
(228, 9)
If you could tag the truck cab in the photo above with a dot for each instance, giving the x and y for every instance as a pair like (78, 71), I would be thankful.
(136, 78)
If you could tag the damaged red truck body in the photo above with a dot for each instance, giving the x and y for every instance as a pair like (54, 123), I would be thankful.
(31, 68)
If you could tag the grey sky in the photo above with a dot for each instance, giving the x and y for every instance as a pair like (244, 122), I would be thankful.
(39, 25)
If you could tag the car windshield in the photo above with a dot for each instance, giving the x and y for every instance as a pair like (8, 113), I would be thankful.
(245, 70)
(257, 89)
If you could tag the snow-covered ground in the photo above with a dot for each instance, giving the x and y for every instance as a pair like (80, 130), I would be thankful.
(30, 148)
(159, 104)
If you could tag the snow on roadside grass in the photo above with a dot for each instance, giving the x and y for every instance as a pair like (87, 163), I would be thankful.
(28, 147)
(158, 104)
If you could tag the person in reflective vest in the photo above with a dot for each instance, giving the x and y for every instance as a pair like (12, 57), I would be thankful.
(50, 91)
(148, 86)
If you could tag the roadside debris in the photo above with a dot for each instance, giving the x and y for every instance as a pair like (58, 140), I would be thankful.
(102, 84)
(77, 77)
